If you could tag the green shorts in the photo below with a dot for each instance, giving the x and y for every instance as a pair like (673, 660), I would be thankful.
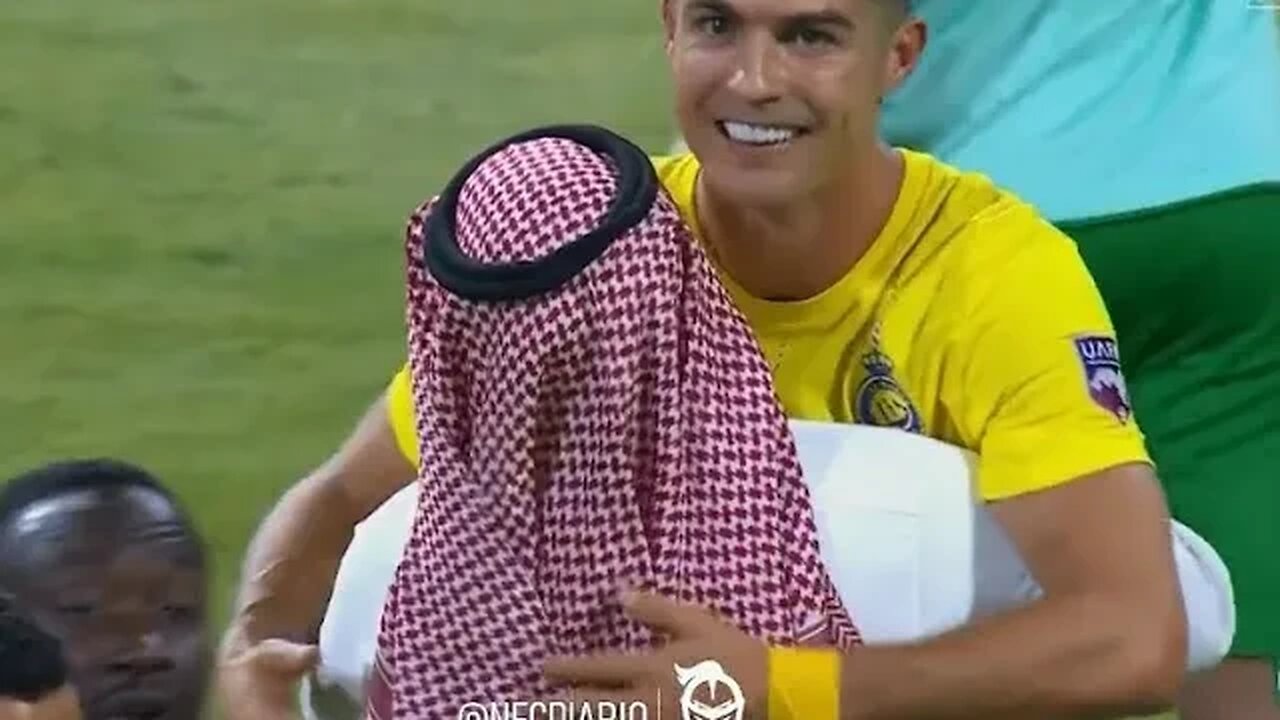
(1194, 292)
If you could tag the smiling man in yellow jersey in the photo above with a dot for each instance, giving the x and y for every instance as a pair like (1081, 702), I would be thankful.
(966, 320)
(885, 288)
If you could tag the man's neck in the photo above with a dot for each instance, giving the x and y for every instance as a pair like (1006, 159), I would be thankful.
(796, 251)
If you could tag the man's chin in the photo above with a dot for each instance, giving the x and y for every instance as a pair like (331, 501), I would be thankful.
(740, 173)
(171, 713)
(756, 186)
(144, 707)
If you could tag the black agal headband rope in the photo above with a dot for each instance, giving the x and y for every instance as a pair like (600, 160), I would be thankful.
(467, 278)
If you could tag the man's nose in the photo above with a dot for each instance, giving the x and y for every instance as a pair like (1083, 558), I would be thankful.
(136, 645)
(141, 653)
(759, 73)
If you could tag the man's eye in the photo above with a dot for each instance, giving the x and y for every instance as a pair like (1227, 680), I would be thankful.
(76, 609)
(812, 37)
(179, 613)
(712, 25)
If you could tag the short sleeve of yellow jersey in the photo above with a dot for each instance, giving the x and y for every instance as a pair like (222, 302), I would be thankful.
(400, 414)
(1030, 383)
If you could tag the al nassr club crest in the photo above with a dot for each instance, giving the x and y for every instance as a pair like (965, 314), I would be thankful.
(880, 400)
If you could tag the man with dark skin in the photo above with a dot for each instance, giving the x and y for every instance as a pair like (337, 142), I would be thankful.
(101, 554)
(790, 188)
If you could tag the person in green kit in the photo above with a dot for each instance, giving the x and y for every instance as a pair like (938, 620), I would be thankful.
(1150, 132)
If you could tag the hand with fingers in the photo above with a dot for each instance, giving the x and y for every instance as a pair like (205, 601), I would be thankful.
(693, 635)
(260, 681)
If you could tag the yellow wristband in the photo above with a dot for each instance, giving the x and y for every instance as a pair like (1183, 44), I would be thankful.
(804, 684)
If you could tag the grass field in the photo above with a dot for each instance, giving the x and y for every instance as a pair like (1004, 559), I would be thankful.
(201, 205)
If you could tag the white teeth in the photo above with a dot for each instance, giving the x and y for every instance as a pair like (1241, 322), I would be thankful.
(757, 134)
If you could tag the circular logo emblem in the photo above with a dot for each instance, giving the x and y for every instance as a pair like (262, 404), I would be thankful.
(882, 403)
(880, 400)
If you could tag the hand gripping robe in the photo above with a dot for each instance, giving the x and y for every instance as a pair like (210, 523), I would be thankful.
(592, 414)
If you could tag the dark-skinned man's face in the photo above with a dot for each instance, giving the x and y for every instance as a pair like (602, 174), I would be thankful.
(116, 575)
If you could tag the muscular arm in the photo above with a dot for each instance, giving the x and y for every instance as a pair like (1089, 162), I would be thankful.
(1107, 639)
(291, 564)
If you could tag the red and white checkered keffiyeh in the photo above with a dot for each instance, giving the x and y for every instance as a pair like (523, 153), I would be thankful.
(620, 430)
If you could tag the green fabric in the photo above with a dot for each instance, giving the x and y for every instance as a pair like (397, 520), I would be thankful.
(1194, 292)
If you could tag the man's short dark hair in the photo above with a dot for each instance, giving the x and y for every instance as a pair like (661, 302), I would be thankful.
(32, 664)
(73, 475)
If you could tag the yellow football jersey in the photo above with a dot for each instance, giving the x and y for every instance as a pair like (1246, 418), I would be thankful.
(970, 319)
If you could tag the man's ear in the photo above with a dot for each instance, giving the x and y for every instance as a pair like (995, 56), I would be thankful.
(906, 47)
(669, 22)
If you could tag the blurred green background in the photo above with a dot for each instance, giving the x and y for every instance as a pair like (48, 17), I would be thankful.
(201, 206)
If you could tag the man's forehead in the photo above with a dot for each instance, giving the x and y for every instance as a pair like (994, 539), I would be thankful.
(94, 509)
(779, 8)
(92, 528)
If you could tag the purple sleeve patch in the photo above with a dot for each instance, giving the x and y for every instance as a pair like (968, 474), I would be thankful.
(1100, 358)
